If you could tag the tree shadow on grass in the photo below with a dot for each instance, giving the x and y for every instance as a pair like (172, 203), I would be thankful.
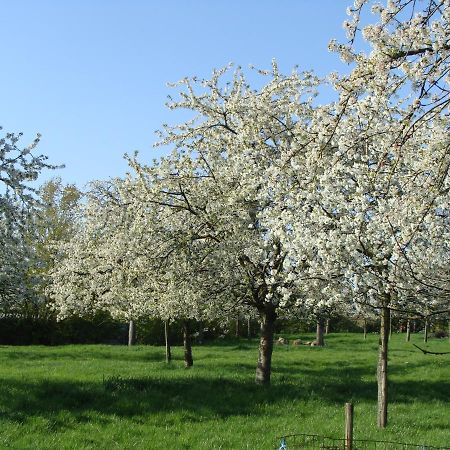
(135, 398)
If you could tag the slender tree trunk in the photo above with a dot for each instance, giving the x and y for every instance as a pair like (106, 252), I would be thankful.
(382, 371)
(425, 334)
(408, 330)
(237, 326)
(188, 361)
(365, 329)
(166, 338)
(319, 332)
(327, 327)
(263, 368)
(249, 328)
(390, 326)
(131, 333)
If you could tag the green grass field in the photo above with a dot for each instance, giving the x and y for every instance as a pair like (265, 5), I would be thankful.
(112, 397)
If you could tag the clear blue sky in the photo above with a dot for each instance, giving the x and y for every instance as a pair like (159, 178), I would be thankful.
(90, 75)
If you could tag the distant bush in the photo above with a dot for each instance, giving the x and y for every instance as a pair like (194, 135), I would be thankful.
(96, 329)
(440, 334)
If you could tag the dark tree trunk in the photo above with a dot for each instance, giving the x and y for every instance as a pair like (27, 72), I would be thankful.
(382, 371)
(237, 326)
(188, 361)
(365, 329)
(408, 330)
(319, 332)
(249, 328)
(425, 334)
(263, 368)
(131, 333)
(166, 338)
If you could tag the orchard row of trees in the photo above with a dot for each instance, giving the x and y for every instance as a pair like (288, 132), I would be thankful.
(272, 205)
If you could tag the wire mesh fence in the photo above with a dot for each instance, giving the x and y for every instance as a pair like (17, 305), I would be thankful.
(316, 442)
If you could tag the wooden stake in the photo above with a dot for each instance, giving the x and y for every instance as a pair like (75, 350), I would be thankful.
(348, 426)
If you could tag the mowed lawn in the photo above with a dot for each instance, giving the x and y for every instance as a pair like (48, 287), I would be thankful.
(108, 397)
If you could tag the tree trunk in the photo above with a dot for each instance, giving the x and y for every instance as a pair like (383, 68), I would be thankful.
(425, 334)
(408, 330)
(319, 332)
(390, 326)
(166, 338)
(188, 361)
(131, 333)
(382, 372)
(249, 328)
(237, 326)
(365, 329)
(327, 327)
(263, 368)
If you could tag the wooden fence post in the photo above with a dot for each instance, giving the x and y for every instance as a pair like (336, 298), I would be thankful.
(348, 426)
